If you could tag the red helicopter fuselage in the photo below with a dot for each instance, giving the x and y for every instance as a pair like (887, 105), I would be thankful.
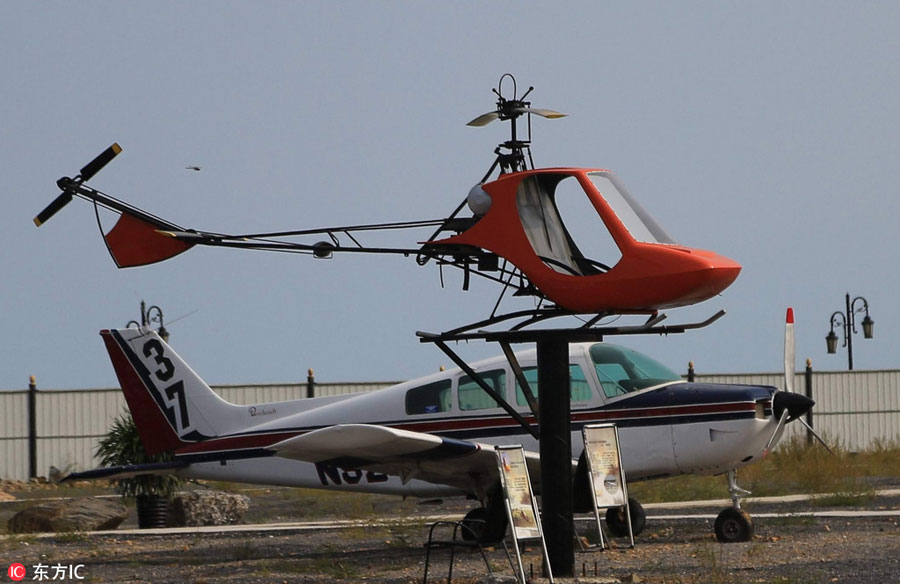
(523, 226)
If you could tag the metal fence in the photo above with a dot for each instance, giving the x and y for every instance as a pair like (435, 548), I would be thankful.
(67, 423)
(853, 408)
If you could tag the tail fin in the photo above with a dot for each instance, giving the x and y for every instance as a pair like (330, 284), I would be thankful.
(171, 406)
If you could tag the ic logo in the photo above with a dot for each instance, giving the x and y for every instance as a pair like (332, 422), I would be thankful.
(16, 572)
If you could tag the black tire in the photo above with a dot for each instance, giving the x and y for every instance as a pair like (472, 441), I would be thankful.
(485, 525)
(618, 525)
(734, 526)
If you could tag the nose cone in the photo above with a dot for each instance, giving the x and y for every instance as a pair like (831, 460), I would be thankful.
(717, 271)
(795, 404)
(691, 275)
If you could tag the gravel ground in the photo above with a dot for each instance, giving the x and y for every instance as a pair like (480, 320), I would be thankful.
(785, 550)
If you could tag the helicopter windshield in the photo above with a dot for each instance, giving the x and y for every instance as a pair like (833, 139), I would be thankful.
(552, 209)
(638, 222)
(622, 370)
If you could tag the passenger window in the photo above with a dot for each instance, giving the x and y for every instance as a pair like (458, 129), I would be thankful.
(429, 399)
(472, 397)
(580, 391)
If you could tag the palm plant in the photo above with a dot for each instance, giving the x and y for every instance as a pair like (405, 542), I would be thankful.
(122, 446)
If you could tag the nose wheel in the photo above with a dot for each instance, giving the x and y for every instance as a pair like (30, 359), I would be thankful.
(734, 525)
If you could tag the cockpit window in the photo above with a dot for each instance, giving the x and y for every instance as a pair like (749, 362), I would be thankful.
(638, 221)
(622, 370)
(579, 390)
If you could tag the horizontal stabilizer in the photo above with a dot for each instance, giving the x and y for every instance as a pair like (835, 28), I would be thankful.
(128, 471)
(135, 242)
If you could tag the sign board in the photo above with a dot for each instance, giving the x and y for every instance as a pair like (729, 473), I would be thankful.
(521, 508)
(604, 462)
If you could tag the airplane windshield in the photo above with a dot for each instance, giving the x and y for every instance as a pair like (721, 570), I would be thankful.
(622, 370)
(635, 218)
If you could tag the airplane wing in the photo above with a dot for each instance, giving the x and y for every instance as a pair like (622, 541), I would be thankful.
(469, 466)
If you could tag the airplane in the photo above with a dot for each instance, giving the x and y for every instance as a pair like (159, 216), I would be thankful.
(516, 235)
(433, 437)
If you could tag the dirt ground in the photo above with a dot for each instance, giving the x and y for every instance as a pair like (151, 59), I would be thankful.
(796, 549)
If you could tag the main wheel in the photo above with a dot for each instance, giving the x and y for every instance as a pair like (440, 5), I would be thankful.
(484, 525)
(618, 524)
(733, 526)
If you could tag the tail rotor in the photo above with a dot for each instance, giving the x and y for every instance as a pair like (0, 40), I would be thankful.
(69, 186)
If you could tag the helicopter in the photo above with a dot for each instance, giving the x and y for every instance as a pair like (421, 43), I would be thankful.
(514, 235)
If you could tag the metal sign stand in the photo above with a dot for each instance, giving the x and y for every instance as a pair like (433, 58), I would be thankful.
(521, 507)
(607, 480)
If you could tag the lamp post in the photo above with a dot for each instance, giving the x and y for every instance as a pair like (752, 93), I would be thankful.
(847, 323)
(147, 317)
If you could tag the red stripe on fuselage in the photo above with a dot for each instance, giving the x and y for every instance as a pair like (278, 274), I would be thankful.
(250, 441)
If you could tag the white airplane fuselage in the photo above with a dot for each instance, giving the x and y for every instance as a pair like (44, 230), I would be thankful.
(665, 429)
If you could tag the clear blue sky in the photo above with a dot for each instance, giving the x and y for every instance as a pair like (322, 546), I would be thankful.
(766, 131)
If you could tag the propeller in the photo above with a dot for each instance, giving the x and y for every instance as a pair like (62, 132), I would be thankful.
(85, 174)
(788, 406)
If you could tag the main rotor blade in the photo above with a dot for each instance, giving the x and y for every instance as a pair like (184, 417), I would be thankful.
(102, 159)
(484, 119)
(544, 113)
(53, 208)
(790, 364)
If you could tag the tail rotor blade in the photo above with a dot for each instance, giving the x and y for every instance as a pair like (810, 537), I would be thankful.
(102, 159)
(53, 208)
(789, 357)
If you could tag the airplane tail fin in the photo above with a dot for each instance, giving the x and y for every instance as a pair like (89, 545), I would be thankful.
(171, 405)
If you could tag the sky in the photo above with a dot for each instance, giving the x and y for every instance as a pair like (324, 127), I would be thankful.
(765, 131)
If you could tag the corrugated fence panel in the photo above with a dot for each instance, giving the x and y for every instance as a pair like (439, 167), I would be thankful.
(853, 408)
(328, 389)
(13, 434)
(14, 464)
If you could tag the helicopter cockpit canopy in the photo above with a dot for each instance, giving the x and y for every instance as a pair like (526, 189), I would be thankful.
(562, 242)
(583, 242)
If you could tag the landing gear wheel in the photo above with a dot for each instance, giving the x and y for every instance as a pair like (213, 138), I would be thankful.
(484, 525)
(734, 526)
(618, 525)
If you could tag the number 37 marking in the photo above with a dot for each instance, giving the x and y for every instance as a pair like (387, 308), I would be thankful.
(154, 349)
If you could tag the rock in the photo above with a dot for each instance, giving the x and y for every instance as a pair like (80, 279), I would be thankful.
(207, 508)
(4, 497)
(54, 475)
(91, 514)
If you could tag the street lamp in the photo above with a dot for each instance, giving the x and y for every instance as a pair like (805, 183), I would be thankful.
(147, 317)
(847, 323)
